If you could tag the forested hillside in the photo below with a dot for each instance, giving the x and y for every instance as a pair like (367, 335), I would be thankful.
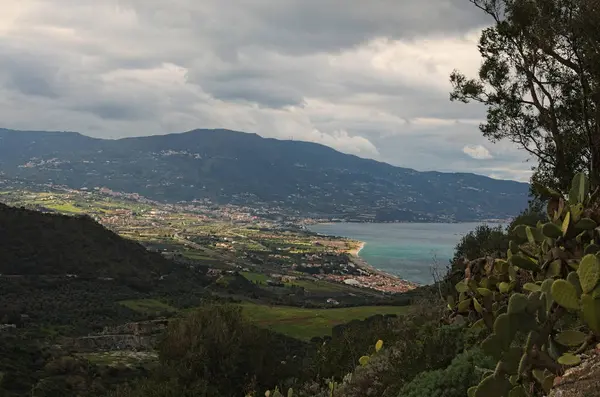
(32, 243)
(234, 167)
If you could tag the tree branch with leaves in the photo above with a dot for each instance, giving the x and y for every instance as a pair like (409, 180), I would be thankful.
(540, 83)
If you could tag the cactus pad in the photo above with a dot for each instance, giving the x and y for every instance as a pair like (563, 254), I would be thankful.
(484, 292)
(573, 278)
(504, 329)
(531, 234)
(586, 224)
(517, 304)
(492, 386)
(551, 230)
(554, 269)
(565, 294)
(518, 391)
(524, 262)
(532, 287)
(591, 312)
(504, 287)
(514, 247)
(592, 249)
(511, 359)
(589, 272)
(520, 232)
(569, 359)
(477, 306)
(565, 224)
(461, 286)
(580, 187)
(463, 306)
(492, 346)
(571, 338)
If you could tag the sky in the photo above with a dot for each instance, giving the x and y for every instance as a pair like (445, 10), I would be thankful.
(369, 78)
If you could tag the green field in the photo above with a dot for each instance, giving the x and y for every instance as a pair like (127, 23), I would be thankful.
(65, 207)
(148, 306)
(255, 277)
(320, 286)
(307, 323)
(317, 286)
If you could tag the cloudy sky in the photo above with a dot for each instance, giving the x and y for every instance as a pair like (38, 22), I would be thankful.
(364, 77)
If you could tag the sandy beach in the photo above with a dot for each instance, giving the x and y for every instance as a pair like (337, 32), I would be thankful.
(356, 250)
(363, 264)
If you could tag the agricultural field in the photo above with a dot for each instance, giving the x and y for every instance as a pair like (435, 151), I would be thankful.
(307, 323)
(296, 322)
(314, 286)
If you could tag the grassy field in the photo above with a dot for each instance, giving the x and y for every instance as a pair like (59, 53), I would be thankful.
(148, 306)
(316, 286)
(307, 323)
(255, 277)
(65, 207)
(320, 286)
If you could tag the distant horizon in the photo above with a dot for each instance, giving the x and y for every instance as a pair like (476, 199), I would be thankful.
(263, 137)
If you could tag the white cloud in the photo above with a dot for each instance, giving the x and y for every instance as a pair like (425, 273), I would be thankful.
(478, 152)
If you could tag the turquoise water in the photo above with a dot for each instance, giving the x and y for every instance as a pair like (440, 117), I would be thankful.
(407, 250)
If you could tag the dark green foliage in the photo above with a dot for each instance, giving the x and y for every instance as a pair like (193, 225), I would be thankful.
(338, 355)
(158, 388)
(483, 241)
(538, 81)
(234, 167)
(32, 243)
(420, 343)
(214, 351)
(465, 371)
(20, 359)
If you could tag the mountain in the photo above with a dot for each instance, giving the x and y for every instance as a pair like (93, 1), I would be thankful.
(33, 243)
(245, 169)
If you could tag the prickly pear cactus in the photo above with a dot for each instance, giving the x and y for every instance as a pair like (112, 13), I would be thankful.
(550, 272)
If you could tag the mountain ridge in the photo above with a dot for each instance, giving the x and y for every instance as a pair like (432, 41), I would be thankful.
(232, 167)
(239, 133)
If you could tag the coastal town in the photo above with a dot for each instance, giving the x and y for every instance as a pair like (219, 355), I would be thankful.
(225, 238)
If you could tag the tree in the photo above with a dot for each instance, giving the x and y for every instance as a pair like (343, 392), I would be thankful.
(540, 82)
(483, 241)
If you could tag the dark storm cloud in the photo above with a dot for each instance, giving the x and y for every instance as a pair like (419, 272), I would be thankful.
(28, 74)
(365, 77)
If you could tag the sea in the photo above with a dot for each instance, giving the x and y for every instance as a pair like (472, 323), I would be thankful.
(407, 250)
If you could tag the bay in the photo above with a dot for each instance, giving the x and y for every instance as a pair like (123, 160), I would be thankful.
(407, 250)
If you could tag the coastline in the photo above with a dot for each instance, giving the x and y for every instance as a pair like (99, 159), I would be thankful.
(356, 250)
(364, 265)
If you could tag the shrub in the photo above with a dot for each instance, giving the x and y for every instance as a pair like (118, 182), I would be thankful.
(454, 381)
(422, 343)
(215, 351)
